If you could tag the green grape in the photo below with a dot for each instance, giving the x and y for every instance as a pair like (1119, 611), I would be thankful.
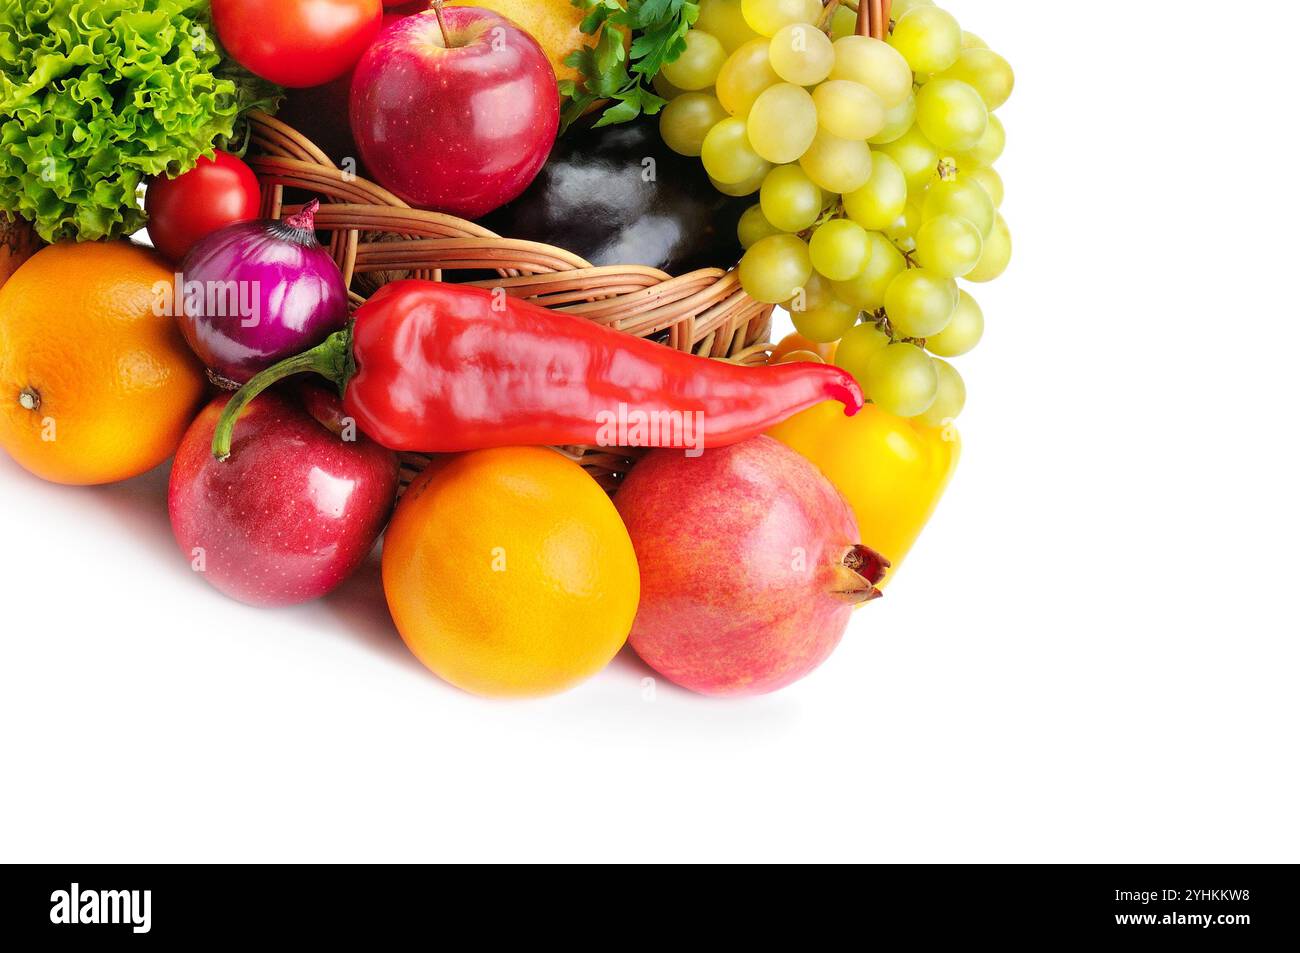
(880, 202)
(747, 72)
(989, 148)
(723, 18)
(837, 165)
(858, 345)
(897, 122)
(948, 246)
(915, 155)
(664, 88)
(874, 64)
(902, 380)
(963, 332)
(928, 38)
(884, 264)
(949, 396)
(997, 253)
(685, 121)
(848, 110)
(985, 72)
(969, 41)
(839, 249)
(745, 186)
(843, 23)
(789, 198)
(698, 65)
(951, 115)
(753, 226)
(801, 54)
(902, 231)
(899, 7)
(818, 314)
(765, 17)
(962, 196)
(920, 302)
(782, 122)
(774, 268)
(988, 177)
(727, 154)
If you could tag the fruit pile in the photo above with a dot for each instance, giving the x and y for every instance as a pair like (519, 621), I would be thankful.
(770, 501)
(873, 163)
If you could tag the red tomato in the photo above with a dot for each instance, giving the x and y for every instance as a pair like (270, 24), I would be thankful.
(297, 42)
(215, 193)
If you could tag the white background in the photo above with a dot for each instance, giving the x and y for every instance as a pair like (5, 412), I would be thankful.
(1090, 656)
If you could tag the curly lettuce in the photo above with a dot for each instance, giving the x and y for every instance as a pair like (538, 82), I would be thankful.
(97, 95)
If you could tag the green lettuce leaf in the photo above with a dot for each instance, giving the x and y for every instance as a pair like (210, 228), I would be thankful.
(98, 95)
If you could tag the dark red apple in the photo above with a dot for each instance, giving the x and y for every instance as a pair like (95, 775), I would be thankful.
(455, 114)
(296, 507)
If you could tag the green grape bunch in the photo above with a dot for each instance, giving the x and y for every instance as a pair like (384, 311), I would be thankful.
(871, 162)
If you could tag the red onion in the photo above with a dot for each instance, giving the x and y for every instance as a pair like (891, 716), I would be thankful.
(257, 292)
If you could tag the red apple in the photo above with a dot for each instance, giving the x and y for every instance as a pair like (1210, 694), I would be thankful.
(455, 110)
(293, 511)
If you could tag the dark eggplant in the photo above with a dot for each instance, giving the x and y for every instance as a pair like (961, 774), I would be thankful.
(600, 197)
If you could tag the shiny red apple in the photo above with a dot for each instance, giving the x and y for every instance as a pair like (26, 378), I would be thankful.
(455, 110)
(296, 507)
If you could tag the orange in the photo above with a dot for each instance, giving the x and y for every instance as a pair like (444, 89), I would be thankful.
(509, 572)
(554, 24)
(793, 342)
(95, 387)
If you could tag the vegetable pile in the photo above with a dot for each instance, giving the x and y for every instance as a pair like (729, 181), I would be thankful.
(97, 95)
(733, 517)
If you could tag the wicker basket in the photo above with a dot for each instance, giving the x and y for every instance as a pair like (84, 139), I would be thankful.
(376, 237)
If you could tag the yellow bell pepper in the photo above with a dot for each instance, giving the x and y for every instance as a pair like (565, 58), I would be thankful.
(890, 469)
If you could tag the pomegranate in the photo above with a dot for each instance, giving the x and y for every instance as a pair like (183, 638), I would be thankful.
(750, 566)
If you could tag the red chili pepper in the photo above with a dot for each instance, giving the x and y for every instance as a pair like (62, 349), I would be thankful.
(441, 368)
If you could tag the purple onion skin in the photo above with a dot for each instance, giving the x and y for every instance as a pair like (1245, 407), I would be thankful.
(288, 295)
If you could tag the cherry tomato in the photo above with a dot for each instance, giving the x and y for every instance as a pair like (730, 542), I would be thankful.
(297, 43)
(215, 193)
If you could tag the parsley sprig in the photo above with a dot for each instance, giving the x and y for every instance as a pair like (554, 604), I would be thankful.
(610, 71)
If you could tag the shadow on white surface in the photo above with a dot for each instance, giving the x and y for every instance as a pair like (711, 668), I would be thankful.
(313, 637)
(140, 505)
(361, 609)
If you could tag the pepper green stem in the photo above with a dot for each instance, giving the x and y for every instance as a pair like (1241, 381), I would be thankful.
(331, 359)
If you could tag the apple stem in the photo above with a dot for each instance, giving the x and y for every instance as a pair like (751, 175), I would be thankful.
(442, 25)
(331, 359)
